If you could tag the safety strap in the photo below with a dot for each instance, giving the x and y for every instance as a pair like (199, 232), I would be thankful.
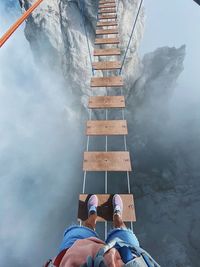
(97, 262)
(57, 260)
(138, 251)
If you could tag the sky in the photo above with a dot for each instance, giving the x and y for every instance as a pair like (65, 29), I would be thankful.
(174, 23)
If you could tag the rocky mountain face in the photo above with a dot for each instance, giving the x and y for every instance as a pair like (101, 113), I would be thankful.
(57, 37)
(165, 182)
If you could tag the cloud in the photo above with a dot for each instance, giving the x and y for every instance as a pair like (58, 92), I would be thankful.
(40, 137)
(164, 138)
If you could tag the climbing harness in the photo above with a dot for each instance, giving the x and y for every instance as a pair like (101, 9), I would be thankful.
(141, 257)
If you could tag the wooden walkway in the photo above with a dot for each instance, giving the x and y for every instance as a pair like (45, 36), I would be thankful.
(105, 161)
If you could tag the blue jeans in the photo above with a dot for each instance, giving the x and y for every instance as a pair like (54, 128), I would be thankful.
(124, 234)
(76, 232)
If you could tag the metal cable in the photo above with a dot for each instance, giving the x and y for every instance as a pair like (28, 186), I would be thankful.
(118, 6)
(125, 148)
(106, 174)
(106, 149)
(130, 39)
(132, 226)
(123, 115)
(82, 8)
(123, 62)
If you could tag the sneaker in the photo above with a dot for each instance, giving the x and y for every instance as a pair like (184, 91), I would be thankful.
(117, 204)
(92, 204)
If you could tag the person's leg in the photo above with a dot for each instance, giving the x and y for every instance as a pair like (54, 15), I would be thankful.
(76, 232)
(92, 211)
(121, 232)
(117, 212)
(117, 221)
(91, 221)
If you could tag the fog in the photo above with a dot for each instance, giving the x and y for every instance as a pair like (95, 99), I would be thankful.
(40, 138)
(167, 140)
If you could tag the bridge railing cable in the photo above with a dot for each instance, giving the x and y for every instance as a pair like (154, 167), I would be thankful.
(120, 72)
(118, 6)
(131, 36)
(82, 9)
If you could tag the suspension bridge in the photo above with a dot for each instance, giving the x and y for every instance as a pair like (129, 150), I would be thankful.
(107, 61)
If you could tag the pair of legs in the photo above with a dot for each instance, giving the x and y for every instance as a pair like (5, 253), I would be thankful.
(92, 219)
(117, 212)
(76, 232)
(120, 230)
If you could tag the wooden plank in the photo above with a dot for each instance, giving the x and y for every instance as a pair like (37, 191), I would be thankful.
(106, 65)
(107, 31)
(105, 208)
(107, 6)
(107, 41)
(113, 16)
(107, 161)
(107, 52)
(106, 127)
(112, 2)
(107, 2)
(107, 10)
(113, 81)
(107, 23)
(106, 102)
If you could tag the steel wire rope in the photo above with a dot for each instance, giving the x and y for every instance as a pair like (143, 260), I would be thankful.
(118, 6)
(123, 62)
(106, 148)
(82, 8)
(130, 39)
(120, 72)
